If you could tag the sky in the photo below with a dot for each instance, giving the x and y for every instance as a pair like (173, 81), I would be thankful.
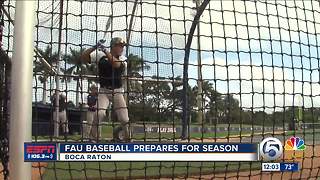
(250, 48)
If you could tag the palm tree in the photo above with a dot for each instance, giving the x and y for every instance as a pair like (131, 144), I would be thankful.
(214, 102)
(42, 70)
(77, 68)
(135, 66)
(214, 105)
(157, 92)
(232, 108)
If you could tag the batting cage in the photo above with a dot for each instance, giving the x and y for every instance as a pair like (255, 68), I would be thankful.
(192, 71)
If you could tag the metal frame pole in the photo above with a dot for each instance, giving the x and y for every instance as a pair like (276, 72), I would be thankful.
(199, 92)
(185, 104)
(126, 82)
(56, 120)
(21, 89)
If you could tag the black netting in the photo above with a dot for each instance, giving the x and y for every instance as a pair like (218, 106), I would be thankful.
(197, 71)
(5, 65)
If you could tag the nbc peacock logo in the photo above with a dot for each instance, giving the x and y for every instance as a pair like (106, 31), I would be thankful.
(295, 144)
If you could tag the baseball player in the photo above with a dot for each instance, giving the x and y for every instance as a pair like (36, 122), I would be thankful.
(90, 132)
(62, 115)
(111, 67)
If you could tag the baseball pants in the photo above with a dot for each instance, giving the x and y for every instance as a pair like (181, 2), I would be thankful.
(63, 121)
(119, 106)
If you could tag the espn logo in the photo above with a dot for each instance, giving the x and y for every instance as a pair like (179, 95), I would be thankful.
(40, 152)
(39, 149)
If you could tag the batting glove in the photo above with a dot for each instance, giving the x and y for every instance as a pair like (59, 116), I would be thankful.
(100, 44)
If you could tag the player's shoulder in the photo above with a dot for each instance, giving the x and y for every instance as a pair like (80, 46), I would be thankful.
(123, 58)
(97, 55)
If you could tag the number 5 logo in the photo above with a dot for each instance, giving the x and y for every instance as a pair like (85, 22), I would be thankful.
(271, 148)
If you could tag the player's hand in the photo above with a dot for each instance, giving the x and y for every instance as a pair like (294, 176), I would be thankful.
(101, 41)
(104, 49)
(100, 44)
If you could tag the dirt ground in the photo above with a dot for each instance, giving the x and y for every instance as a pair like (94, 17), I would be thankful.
(37, 170)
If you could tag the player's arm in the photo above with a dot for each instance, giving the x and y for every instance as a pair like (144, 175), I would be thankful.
(63, 98)
(85, 56)
(116, 63)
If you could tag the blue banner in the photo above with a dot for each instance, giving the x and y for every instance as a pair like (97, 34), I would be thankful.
(40, 152)
(289, 167)
(159, 148)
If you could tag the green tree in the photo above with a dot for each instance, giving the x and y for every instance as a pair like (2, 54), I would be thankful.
(178, 95)
(214, 107)
(157, 92)
(232, 109)
(41, 70)
(246, 117)
(139, 109)
(259, 117)
(214, 104)
(152, 96)
(135, 68)
(136, 65)
(77, 69)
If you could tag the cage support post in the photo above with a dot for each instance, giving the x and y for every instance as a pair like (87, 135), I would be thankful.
(21, 90)
(185, 104)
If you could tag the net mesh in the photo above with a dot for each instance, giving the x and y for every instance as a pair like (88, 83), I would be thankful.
(253, 72)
